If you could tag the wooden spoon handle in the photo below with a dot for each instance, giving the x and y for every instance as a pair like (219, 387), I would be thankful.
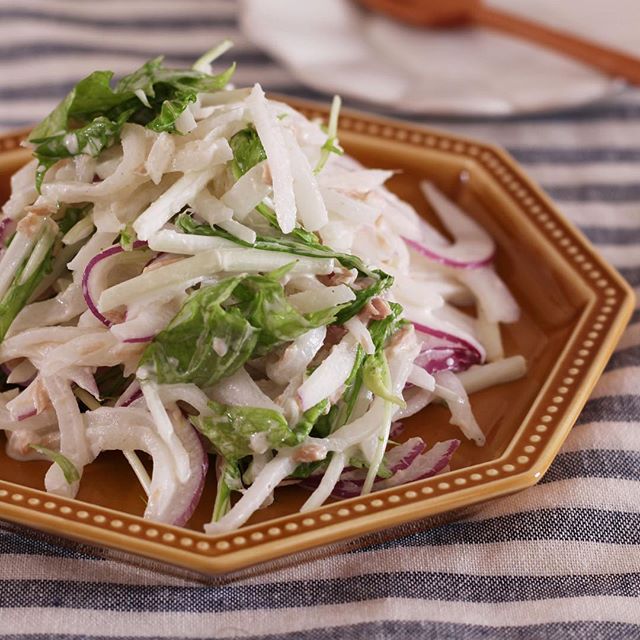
(608, 60)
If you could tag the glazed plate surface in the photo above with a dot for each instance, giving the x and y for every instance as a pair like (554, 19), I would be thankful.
(574, 309)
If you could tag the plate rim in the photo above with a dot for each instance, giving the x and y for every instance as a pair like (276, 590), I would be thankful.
(515, 469)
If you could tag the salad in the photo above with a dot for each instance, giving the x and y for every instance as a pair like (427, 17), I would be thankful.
(196, 275)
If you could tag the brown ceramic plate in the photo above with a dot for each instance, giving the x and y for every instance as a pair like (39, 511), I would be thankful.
(574, 308)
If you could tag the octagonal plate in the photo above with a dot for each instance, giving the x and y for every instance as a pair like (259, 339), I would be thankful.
(574, 309)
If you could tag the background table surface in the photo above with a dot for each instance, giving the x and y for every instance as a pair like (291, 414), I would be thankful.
(561, 560)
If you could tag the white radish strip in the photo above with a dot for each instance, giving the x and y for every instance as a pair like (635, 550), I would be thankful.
(473, 246)
(165, 426)
(139, 470)
(416, 400)
(105, 218)
(311, 208)
(223, 97)
(180, 273)
(170, 202)
(159, 158)
(80, 230)
(73, 441)
(330, 375)
(64, 307)
(185, 122)
(170, 241)
(318, 299)
(46, 418)
(247, 192)
(328, 482)
(461, 413)
(31, 342)
(23, 191)
(270, 135)
(210, 209)
(358, 181)
(352, 210)
(142, 96)
(197, 155)
(420, 378)
(400, 358)
(359, 331)
(22, 373)
(240, 389)
(99, 241)
(496, 301)
(238, 230)
(382, 438)
(145, 321)
(131, 456)
(338, 235)
(133, 429)
(40, 250)
(483, 376)
(241, 260)
(13, 257)
(91, 350)
(189, 393)
(85, 167)
(134, 151)
(297, 356)
(268, 479)
(489, 334)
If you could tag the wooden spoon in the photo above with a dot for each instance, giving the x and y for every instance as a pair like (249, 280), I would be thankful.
(452, 13)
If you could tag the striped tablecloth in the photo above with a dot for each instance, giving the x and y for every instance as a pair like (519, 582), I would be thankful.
(561, 560)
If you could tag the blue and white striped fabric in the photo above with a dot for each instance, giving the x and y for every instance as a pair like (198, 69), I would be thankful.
(561, 560)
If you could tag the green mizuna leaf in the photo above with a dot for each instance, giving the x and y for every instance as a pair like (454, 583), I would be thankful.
(19, 292)
(69, 470)
(92, 115)
(247, 150)
(185, 351)
(233, 430)
(300, 244)
(222, 326)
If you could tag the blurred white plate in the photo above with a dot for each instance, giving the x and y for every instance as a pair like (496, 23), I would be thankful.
(333, 46)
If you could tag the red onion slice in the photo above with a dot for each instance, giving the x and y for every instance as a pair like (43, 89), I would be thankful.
(473, 246)
(407, 462)
(130, 394)
(199, 464)
(441, 351)
(86, 278)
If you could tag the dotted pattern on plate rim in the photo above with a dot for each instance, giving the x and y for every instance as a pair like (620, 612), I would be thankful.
(528, 447)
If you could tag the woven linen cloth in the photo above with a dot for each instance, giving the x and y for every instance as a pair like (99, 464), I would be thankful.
(560, 560)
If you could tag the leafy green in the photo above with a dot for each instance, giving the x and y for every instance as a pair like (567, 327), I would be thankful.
(69, 470)
(18, 294)
(92, 115)
(331, 144)
(230, 429)
(381, 331)
(360, 463)
(112, 382)
(247, 150)
(72, 215)
(228, 481)
(375, 375)
(249, 315)
(90, 139)
(184, 351)
(302, 245)
(127, 237)
(263, 303)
